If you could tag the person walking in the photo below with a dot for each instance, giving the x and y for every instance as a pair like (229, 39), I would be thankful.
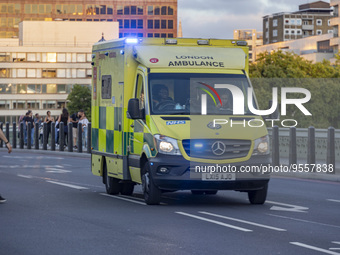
(28, 118)
(9, 147)
(48, 120)
(84, 122)
(65, 118)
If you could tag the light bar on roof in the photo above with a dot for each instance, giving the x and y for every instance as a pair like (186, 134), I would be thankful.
(131, 40)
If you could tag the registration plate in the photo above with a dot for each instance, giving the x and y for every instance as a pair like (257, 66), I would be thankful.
(218, 176)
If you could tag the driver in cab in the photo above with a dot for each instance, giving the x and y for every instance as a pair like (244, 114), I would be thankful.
(161, 95)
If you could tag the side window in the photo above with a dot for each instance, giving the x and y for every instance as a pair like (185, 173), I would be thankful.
(106, 87)
(140, 91)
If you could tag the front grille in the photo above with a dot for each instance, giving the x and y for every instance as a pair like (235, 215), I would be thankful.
(223, 148)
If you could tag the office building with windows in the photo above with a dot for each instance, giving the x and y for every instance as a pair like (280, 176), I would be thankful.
(39, 69)
(137, 18)
(311, 19)
(252, 37)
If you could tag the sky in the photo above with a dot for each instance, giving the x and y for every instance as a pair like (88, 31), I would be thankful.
(219, 18)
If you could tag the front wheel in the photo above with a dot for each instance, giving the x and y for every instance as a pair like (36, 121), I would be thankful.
(258, 197)
(152, 194)
(112, 185)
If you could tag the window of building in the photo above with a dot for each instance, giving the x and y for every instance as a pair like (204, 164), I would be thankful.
(61, 88)
(319, 22)
(120, 21)
(21, 73)
(133, 10)
(170, 35)
(140, 10)
(4, 73)
(109, 9)
(126, 34)
(140, 35)
(51, 57)
(163, 10)
(4, 104)
(81, 57)
(292, 21)
(74, 73)
(88, 57)
(103, 9)
(120, 35)
(140, 24)
(150, 24)
(287, 21)
(170, 24)
(156, 35)
(19, 104)
(51, 88)
(133, 23)
(126, 10)
(119, 10)
(61, 57)
(298, 22)
(324, 46)
(298, 31)
(275, 33)
(81, 73)
(292, 32)
(274, 22)
(88, 73)
(157, 23)
(305, 22)
(329, 22)
(49, 104)
(21, 89)
(319, 32)
(49, 73)
(4, 57)
(330, 31)
(150, 10)
(150, 35)
(163, 35)
(163, 24)
(126, 23)
(31, 73)
(61, 73)
(157, 10)
(170, 10)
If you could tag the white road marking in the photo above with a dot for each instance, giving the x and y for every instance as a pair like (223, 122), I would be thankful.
(32, 157)
(215, 222)
(122, 198)
(336, 242)
(287, 208)
(333, 200)
(244, 221)
(25, 176)
(307, 221)
(56, 170)
(314, 248)
(67, 185)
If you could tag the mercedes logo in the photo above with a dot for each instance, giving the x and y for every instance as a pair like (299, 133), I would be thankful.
(218, 148)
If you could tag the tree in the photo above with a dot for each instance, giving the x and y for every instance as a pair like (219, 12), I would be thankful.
(286, 69)
(80, 98)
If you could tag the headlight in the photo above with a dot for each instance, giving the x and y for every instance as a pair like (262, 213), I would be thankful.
(261, 146)
(167, 145)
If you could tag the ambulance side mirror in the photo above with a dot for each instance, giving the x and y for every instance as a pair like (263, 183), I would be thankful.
(133, 109)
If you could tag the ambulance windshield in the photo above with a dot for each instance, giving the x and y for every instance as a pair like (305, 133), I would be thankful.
(196, 94)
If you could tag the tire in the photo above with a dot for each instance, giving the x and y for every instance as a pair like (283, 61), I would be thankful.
(127, 188)
(258, 197)
(112, 185)
(210, 192)
(197, 192)
(152, 194)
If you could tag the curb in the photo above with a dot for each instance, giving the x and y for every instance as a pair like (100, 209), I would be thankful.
(310, 176)
(48, 152)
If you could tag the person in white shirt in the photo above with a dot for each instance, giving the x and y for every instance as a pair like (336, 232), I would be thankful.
(84, 122)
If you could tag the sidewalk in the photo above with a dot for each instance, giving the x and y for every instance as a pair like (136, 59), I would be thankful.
(49, 152)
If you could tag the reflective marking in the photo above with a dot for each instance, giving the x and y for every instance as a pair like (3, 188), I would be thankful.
(25, 176)
(122, 198)
(244, 221)
(67, 185)
(314, 248)
(333, 200)
(313, 222)
(215, 222)
(291, 208)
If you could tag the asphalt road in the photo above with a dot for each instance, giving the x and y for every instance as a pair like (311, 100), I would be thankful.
(56, 206)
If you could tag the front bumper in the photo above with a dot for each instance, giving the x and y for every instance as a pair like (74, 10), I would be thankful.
(181, 174)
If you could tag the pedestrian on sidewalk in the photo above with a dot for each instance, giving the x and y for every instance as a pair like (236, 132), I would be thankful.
(84, 122)
(9, 147)
(74, 120)
(28, 118)
(65, 118)
(48, 119)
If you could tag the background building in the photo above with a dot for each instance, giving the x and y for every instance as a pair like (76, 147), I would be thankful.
(311, 19)
(142, 18)
(253, 39)
(335, 22)
(313, 48)
(39, 69)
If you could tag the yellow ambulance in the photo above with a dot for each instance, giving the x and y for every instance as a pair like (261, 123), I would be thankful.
(164, 116)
